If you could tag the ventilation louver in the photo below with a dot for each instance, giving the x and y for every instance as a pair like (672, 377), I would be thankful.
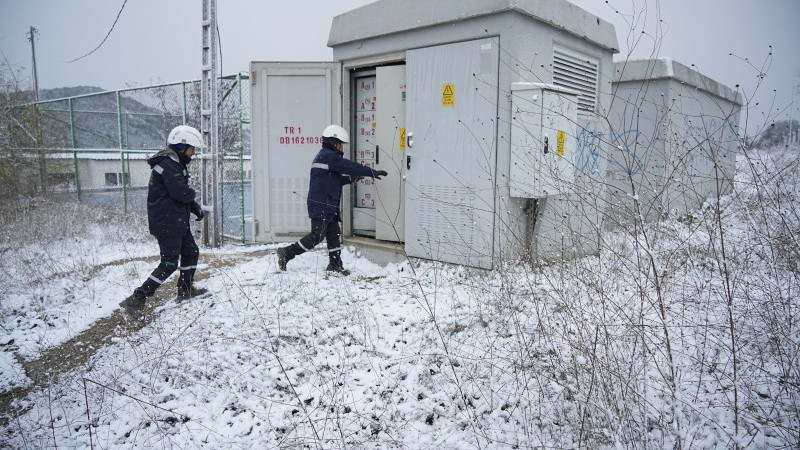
(579, 73)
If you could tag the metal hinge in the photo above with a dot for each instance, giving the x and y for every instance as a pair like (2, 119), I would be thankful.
(253, 77)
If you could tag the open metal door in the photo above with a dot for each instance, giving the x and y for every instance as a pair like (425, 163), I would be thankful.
(451, 123)
(390, 152)
(363, 147)
(291, 104)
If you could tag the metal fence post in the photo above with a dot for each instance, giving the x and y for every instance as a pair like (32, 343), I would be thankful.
(241, 159)
(122, 154)
(185, 104)
(74, 146)
(124, 181)
(39, 151)
(119, 121)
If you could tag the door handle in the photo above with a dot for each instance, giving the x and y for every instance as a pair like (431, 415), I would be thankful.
(377, 155)
(408, 162)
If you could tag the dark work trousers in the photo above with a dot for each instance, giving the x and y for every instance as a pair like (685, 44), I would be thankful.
(174, 249)
(329, 231)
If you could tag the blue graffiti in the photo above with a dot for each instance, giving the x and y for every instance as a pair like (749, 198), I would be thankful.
(590, 141)
(588, 157)
(711, 136)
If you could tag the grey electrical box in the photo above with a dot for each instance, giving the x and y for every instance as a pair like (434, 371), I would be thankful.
(543, 142)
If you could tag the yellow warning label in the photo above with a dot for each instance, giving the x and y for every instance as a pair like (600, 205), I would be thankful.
(402, 138)
(448, 94)
(562, 137)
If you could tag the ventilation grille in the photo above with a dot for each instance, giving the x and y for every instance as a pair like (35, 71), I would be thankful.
(446, 221)
(579, 73)
(288, 209)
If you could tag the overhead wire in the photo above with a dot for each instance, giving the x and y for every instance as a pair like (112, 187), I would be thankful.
(219, 42)
(107, 34)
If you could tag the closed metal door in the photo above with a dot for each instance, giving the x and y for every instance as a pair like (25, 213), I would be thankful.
(291, 104)
(451, 119)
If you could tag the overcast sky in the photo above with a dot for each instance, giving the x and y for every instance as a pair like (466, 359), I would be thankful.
(158, 41)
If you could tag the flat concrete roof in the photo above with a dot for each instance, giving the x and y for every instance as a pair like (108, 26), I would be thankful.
(666, 68)
(385, 17)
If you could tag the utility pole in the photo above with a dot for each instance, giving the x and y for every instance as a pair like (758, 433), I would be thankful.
(31, 38)
(209, 127)
(38, 131)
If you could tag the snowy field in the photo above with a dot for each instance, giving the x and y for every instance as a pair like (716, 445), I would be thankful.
(682, 335)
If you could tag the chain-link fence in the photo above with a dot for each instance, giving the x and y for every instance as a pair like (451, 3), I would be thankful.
(93, 148)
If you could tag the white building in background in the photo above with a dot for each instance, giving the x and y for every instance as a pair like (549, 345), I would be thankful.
(99, 170)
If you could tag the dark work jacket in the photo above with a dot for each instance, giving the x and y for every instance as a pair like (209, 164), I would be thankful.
(169, 197)
(329, 172)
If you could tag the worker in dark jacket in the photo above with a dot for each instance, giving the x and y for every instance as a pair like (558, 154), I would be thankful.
(329, 172)
(170, 200)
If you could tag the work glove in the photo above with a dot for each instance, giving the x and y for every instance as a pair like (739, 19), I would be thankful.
(380, 173)
(198, 211)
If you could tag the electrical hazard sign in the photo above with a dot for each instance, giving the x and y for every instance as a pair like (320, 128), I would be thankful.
(448, 94)
(562, 137)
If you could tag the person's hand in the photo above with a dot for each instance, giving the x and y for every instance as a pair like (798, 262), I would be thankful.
(380, 173)
(197, 210)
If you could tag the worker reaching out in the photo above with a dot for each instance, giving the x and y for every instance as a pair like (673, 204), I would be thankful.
(329, 172)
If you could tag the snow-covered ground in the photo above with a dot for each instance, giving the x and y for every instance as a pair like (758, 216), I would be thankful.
(601, 352)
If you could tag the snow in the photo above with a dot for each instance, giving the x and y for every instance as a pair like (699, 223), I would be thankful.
(418, 354)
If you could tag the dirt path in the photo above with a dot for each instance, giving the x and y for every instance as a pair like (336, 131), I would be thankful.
(79, 350)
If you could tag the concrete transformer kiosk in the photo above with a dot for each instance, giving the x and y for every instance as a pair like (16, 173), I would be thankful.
(492, 118)
(674, 136)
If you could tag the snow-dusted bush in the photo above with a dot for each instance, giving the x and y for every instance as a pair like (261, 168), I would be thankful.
(681, 333)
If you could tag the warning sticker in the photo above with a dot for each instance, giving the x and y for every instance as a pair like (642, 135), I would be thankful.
(562, 136)
(402, 138)
(448, 94)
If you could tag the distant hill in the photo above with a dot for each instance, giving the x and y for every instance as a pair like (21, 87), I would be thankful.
(96, 121)
(144, 123)
(63, 92)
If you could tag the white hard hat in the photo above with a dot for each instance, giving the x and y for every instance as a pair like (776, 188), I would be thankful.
(335, 131)
(184, 134)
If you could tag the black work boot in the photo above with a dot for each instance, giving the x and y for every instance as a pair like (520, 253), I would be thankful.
(284, 256)
(335, 265)
(185, 293)
(134, 304)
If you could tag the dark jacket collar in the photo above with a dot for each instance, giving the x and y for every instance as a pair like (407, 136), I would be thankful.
(165, 153)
